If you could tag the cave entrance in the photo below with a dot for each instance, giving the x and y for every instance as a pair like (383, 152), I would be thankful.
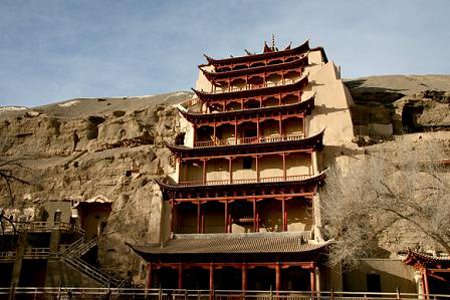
(93, 215)
(410, 115)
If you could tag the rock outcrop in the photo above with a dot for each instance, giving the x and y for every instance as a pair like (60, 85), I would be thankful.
(83, 148)
(396, 104)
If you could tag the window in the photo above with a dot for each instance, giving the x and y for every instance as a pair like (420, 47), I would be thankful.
(247, 163)
(373, 283)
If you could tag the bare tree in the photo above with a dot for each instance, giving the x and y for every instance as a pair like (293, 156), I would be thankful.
(406, 184)
(8, 170)
(8, 177)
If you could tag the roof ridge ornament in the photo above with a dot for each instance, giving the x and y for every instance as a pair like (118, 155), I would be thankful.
(273, 43)
(266, 48)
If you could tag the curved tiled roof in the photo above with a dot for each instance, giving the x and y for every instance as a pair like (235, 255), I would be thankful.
(300, 107)
(422, 260)
(253, 189)
(296, 86)
(312, 143)
(300, 62)
(268, 55)
(232, 243)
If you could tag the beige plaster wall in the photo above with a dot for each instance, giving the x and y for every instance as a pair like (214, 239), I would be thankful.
(332, 103)
(194, 171)
(270, 166)
(217, 169)
(298, 164)
(240, 173)
(299, 215)
(214, 217)
(393, 274)
(270, 215)
(292, 125)
(202, 84)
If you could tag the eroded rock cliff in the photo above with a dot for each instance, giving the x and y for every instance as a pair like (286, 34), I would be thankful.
(83, 148)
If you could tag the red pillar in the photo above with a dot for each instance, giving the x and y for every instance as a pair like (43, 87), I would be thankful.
(257, 168)
(313, 281)
(284, 166)
(211, 278)
(180, 169)
(180, 276)
(214, 130)
(226, 216)
(244, 276)
(204, 172)
(255, 226)
(199, 208)
(230, 169)
(280, 130)
(172, 216)
(148, 279)
(202, 212)
(278, 277)
(235, 131)
(195, 134)
(284, 213)
(426, 288)
(257, 129)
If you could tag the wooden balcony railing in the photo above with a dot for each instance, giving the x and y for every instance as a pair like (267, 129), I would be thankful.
(36, 253)
(255, 86)
(249, 140)
(41, 227)
(29, 253)
(166, 294)
(245, 181)
(8, 255)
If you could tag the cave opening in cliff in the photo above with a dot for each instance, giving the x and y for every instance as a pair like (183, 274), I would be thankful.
(410, 115)
(93, 217)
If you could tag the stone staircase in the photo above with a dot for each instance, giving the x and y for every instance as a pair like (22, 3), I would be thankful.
(73, 254)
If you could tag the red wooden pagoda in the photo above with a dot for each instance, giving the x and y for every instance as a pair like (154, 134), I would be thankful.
(241, 204)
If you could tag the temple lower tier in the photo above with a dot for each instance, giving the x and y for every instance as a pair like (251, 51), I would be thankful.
(277, 276)
(255, 261)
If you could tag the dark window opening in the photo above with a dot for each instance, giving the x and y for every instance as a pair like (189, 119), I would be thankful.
(250, 133)
(373, 283)
(247, 163)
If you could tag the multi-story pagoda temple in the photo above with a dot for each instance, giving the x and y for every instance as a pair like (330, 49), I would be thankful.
(241, 211)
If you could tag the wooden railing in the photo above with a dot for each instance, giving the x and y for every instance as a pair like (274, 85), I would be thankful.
(165, 294)
(214, 141)
(36, 253)
(29, 253)
(8, 255)
(41, 227)
(255, 86)
(245, 180)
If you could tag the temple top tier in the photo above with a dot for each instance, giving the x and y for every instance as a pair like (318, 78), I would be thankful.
(269, 53)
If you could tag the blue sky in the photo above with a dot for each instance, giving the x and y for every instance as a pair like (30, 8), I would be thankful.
(56, 50)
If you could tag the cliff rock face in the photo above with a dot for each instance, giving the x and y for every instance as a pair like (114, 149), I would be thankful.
(396, 104)
(83, 148)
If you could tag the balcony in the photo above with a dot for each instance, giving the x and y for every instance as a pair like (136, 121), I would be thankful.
(245, 181)
(41, 227)
(255, 86)
(215, 142)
